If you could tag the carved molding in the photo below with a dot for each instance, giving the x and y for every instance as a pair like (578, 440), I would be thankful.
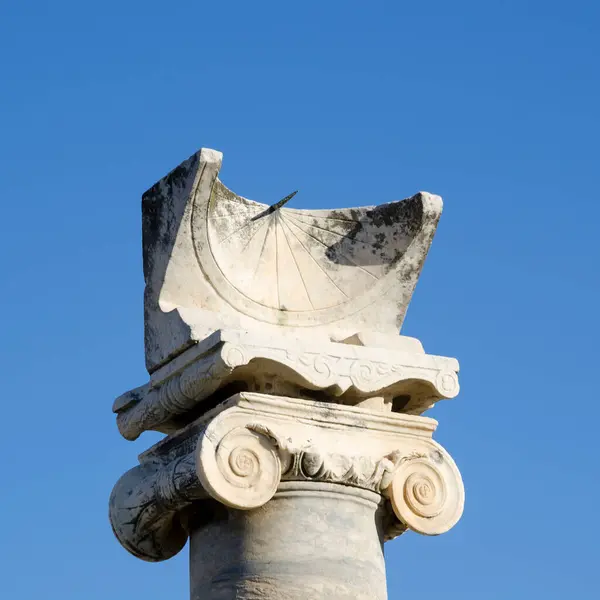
(177, 394)
(243, 468)
(349, 372)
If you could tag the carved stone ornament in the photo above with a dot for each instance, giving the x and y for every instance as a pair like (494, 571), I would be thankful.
(239, 453)
(215, 260)
(348, 372)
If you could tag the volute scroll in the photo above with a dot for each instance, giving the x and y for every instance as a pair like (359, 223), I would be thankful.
(240, 467)
(427, 492)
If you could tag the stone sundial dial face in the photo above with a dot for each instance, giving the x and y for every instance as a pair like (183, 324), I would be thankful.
(301, 267)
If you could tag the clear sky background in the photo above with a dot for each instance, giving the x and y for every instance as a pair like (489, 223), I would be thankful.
(493, 105)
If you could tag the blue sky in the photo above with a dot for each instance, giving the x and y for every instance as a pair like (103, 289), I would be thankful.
(493, 105)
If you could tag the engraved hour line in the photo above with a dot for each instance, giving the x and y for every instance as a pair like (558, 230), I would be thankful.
(343, 235)
(326, 246)
(298, 224)
(297, 266)
(252, 237)
(248, 224)
(315, 260)
(262, 250)
(313, 216)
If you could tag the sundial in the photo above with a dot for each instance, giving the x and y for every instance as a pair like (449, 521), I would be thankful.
(323, 274)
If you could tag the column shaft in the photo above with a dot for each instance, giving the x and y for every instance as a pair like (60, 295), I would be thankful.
(311, 541)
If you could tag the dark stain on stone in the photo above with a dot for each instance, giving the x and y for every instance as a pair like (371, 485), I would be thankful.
(406, 213)
(158, 217)
(388, 229)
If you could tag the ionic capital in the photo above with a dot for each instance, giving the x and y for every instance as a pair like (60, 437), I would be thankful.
(240, 453)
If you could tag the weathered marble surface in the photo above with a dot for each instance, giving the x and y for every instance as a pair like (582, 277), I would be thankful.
(295, 446)
(214, 260)
(240, 453)
(348, 373)
(310, 542)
